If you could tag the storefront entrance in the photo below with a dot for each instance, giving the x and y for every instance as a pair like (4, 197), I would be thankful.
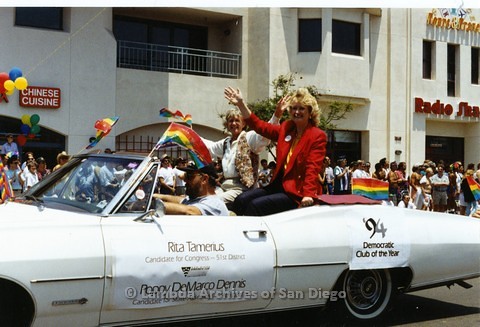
(448, 149)
(46, 143)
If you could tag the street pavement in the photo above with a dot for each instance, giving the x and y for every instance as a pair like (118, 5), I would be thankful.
(438, 306)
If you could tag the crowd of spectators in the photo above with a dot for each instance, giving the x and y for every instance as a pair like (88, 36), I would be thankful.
(432, 186)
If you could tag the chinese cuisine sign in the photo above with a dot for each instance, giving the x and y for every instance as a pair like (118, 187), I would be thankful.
(40, 97)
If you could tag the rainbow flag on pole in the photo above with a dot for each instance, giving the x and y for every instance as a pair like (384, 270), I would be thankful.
(167, 113)
(474, 187)
(370, 188)
(103, 126)
(185, 137)
(6, 191)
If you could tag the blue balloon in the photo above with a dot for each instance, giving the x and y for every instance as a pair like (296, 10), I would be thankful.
(15, 73)
(25, 129)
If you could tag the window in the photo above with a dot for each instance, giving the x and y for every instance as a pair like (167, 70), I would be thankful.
(475, 65)
(451, 69)
(310, 35)
(427, 59)
(345, 37)
(158, 32)
(49, 18)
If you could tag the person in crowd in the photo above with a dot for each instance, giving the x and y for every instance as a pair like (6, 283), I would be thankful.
(30, 176)
(62, 159)
(263, 173)
(86, 185)
(392, 179)
(406, 202)
(367, 169)
(385, 169)
(426, 186)
(329, 176)
(29, 157)
(341, 174)
(416, 193)
(440, 184)
(467, 201)
(180, 187)
(10, 145)
(359, 171)
(300, 151)
(379, 172)
(402, 178)
(13, 174)
(107, 151)
(239, 155)
(42, 170)
(201, 197)
(167, 176)
(220, 179)
(109, 185)
(452, 190)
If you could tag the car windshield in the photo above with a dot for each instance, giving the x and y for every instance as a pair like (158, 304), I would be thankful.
(87, 185)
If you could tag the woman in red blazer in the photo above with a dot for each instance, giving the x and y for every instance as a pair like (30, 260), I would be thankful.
(301, 147)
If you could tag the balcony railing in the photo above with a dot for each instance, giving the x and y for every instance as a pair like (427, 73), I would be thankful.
(155, 57)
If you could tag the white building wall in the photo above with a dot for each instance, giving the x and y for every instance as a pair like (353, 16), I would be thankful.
(381, 83)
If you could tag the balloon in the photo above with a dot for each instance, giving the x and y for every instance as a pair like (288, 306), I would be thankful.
(21, 83)
(3, 78)
(26, 119)
(34, 119)
(35, 129)
(21, 140)
(25, 129)
(10, 92)
(15, 73)
(31, 136)
(9, 85)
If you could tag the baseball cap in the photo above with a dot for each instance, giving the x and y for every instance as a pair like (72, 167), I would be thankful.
(208, 169)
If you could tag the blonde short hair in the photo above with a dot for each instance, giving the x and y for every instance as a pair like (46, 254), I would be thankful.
(231, 113)
(303, 96)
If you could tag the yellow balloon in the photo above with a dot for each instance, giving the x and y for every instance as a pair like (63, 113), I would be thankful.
(21, 83)
(10, 92)
(26, 119)
(9, 85)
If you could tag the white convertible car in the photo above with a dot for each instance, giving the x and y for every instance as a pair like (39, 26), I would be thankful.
(75, 252)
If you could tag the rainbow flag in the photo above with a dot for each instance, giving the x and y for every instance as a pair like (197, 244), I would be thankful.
(103, 126)
(6, 191)
(474, 187)
(167, 113)
(185, 137)
(370, 188)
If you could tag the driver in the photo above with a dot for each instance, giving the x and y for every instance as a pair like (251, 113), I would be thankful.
(201, 198)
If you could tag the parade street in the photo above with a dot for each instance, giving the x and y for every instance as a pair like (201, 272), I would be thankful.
(438, 306)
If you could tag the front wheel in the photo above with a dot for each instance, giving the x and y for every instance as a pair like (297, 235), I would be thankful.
(368, 292)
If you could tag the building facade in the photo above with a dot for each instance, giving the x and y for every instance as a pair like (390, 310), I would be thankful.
(412, 75)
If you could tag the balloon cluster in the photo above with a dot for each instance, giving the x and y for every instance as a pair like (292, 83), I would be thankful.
(28, 128)
(13, 80)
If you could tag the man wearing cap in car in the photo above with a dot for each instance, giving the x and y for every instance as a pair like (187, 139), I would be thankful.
(201, 198)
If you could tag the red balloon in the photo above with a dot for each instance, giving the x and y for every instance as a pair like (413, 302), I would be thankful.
(31, 136)
(3, 77)
(21, 140)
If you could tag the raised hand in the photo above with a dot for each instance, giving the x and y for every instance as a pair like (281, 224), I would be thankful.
(233, 96)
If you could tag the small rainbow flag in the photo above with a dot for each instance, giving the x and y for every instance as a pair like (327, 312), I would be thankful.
(474, 187)
(371, 188)
(167, 113)
(103, 126)
(6, 191)
(186, 138)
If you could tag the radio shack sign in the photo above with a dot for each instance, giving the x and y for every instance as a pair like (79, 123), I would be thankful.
(40, 97)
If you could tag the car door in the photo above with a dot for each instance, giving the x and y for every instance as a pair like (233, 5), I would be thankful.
(180, 266)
